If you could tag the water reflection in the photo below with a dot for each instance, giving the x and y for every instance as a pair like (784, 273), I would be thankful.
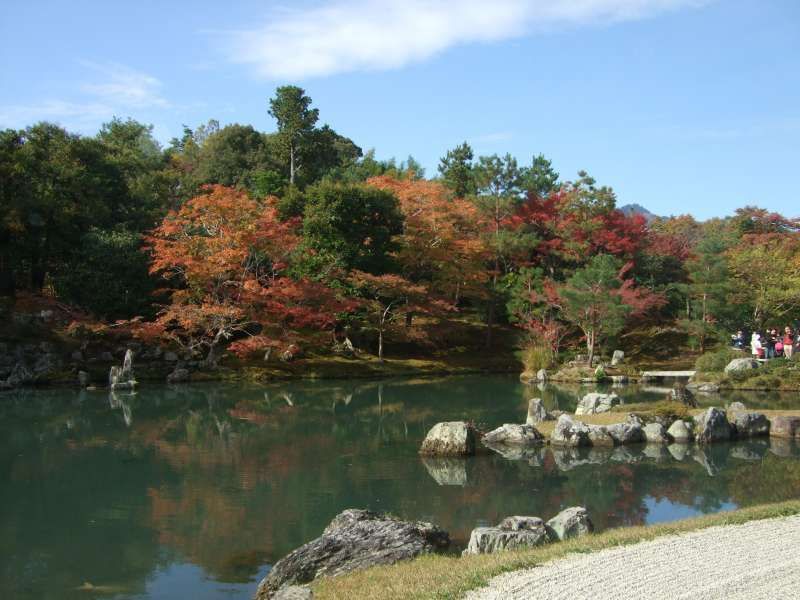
(203, 486)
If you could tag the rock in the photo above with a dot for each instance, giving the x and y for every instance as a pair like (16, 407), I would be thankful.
(617, 357)
(20, 375)
(122, 378)
(454, 438)
(704, 388)
(595, 402)
(511, 434)
(170, 357)
(629, 432)
(294, 592)
(785, 427)
(536, 412)
(178, 375)
(355, 539)
(748, 425)
(569, 523)
(736, 406)
(655, 433)
(541, 375)
(598, 436)
(83, 379)
(684, 395)
(712, 426)
(569, 433)
(741, 364)
(510, 534)
(446, 471)
(680, 433)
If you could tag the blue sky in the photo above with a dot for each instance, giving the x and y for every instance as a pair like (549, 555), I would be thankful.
(684, 106)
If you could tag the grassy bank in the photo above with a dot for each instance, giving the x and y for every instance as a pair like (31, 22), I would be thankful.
(450, 577)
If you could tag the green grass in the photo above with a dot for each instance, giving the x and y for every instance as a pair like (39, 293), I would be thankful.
(445, 577)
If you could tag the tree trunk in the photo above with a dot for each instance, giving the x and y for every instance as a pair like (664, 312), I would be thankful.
(291, 164)
(590, 346)
(380, 343)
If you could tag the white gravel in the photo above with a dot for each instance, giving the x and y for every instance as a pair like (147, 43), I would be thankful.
(757, 560)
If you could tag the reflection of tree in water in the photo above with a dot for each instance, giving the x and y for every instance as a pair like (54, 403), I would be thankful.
(228, 477)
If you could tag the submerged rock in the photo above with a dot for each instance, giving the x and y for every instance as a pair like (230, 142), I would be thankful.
(569, 523)
(454, 438)
(594, 403)
(569, 433)
(355, 539)
(712, 426)
(512, 434)
(511, 533)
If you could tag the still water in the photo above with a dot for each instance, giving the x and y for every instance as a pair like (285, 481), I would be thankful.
(193, 491)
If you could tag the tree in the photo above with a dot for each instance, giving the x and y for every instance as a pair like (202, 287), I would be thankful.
(291, 109)
(590, 300)
(228, 257)
(351, 226)
(458, 171)
(540, 179)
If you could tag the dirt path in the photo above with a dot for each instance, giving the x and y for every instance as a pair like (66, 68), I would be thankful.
(757, 560)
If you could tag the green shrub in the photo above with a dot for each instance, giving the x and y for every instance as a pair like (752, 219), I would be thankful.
(716, 360)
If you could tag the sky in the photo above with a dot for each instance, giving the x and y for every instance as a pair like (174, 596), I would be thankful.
(682, 106)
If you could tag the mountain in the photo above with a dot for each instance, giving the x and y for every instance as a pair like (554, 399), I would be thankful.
(637, 209)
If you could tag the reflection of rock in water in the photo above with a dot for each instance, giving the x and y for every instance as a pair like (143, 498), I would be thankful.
(679, 451)
(780, 447)
(446, 471)
(656, 452)
(531, 454)
(749, 451)
(702, 457)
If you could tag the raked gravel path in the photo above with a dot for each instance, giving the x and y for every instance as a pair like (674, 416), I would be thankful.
(757, 560)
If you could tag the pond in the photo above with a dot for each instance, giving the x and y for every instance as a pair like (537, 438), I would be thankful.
(193, 491)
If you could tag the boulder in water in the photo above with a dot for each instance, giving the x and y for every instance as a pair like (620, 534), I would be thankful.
(121, 378)
(512, 434)
(454, 438)
(536, 412)
(570, 433)
(680, 433)
(712, 426)
(750, 424)
(629, 432)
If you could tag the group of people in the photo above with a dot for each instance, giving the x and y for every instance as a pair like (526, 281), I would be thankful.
(769, 344)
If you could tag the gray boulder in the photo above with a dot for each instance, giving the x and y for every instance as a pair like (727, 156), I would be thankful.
(178, 375)
(750, 424)
(680, 433)
(704, 388)
(595, 402)
(655, 433)
(454, 438)
(736, 406)
(510, 534)
(569, 523)
(512, 434)
(617, 357)
(541, 375)
(536, 412)
(741, 364)
(569, 433)
(355, 539)
(712, 426)
(598, 436)
(785, 427)
(629, 432)
(121, 378)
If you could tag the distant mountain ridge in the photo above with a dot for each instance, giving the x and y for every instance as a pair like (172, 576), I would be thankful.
(637, 209)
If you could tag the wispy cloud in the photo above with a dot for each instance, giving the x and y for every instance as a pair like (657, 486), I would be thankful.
(355, 35)
(115, 90)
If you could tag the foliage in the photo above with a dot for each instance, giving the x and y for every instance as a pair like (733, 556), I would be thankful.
(715, 361)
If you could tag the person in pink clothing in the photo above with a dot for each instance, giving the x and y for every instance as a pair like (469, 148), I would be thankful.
(788, 342)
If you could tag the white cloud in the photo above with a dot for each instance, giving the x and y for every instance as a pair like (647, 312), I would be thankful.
(125, 87)
(355, 35)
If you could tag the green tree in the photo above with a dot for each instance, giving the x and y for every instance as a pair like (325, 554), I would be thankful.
(540, 179)
(296, 120)
(591, 300)
(458, 171)
(352, 226)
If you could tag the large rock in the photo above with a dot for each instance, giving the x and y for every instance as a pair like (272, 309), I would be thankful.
(599, 437)
(453, 438)
(655, 433)
(785, 427)
(569, 523)
(121, 378)
(512, 434)
(680, 433)
(704, 387)
(595, 402)
(629, 432)
(536, 412)
(569, 433)
(355, 539)
(511, 533)
(741, 364)
(712, 426)
(682, 394)
(617, 357)
(750, 424)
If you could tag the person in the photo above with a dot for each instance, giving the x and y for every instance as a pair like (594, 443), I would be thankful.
(769, 343)
(755, 345)
(788, 342)
(738, 340)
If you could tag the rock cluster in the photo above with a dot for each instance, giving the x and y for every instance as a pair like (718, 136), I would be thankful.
(594, 403)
